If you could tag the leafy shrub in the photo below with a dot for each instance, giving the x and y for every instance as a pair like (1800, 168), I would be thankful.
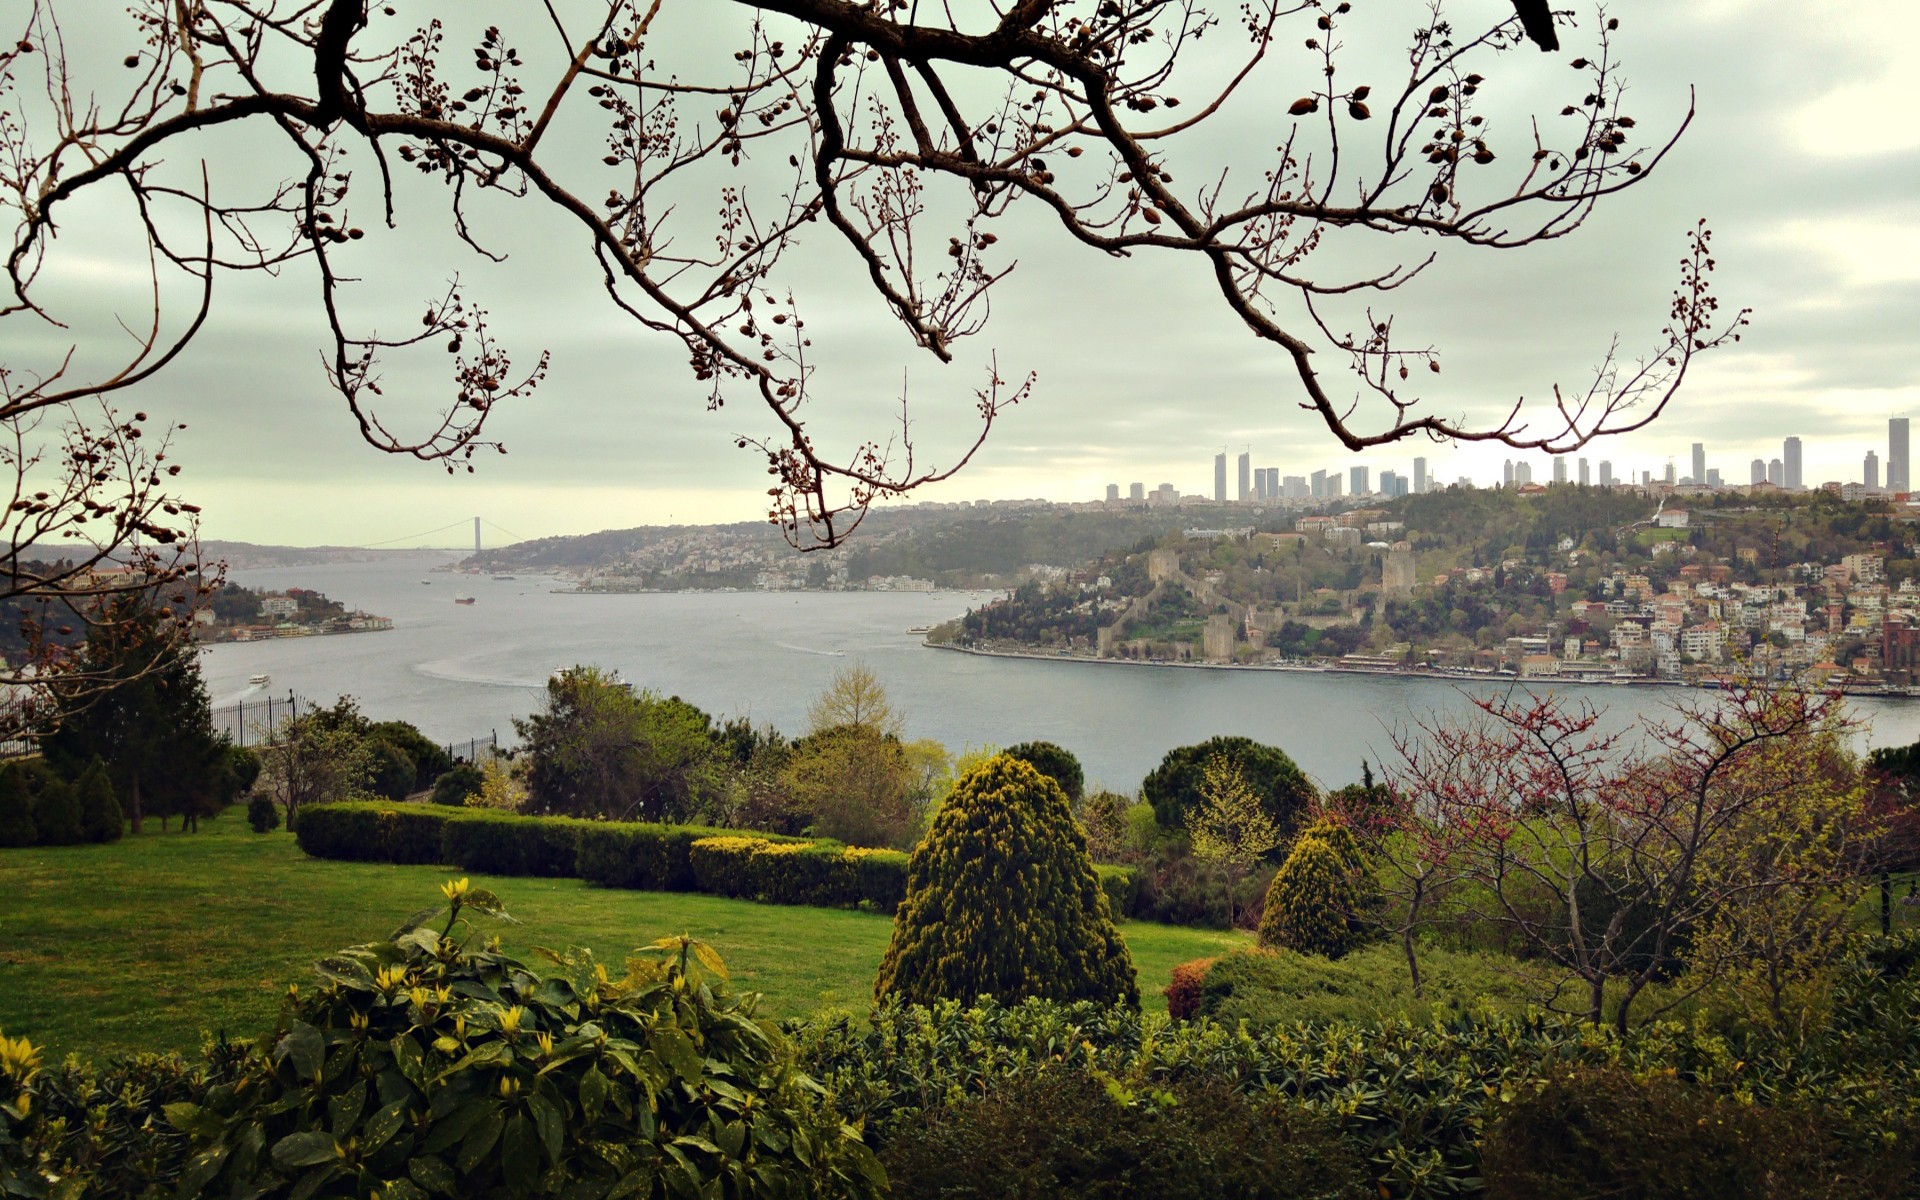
(1122, 886)
(390, 771)
(100, 817)
(1055, 762)
(457, 783)
(242, 768)
(434, 1063)
(1187, 1141)
(1589, 1132)
(655, 858)
(1183, 989)
(263, 814)
(1314, 903)
(56, 812)
(1173, 787)
(1002, 901)
(1175, 888)
(1266, 987)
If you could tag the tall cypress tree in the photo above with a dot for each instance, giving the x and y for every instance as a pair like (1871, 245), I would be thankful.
(152, 726)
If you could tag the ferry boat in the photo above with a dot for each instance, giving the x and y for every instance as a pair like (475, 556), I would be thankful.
(258, 680)
(426, 582)
(463, 599)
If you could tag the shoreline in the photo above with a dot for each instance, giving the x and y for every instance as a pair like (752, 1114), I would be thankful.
(1332, 669)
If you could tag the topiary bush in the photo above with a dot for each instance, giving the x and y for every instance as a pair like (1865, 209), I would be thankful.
(430, 759)
(1094, 1140)
(263, 815)
(499, 843)
(1002, 901)
(1314, 902)
(433, 1063)
(457, 783)
(100, 817)
(1055, 762)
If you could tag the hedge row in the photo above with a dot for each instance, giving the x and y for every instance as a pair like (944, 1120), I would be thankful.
(661, 858)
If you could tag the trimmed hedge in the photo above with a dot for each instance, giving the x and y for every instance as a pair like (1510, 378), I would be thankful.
(823, 874)
(660, 858)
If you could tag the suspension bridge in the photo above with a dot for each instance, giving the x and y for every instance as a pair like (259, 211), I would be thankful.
(414, 541)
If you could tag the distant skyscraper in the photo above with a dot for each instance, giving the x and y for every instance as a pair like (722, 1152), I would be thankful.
(1246, 473)
(1559, 468)
(1606, 472)
(1522, 474)
(1585, 479)
(1776, 473)
(1294, 487)
(1357, 484)
(1272, 476)
(1506, 474)
(1113, 492)
(1669, 476)
(1870, 470)
(1700, 462)
(1333, 486)
(1220, 477)
(1897, 480)
(1136, 491)
(1790, 460)
(1319, 485)
(1713, 477)
(1419, 476)
(1759, 471)
(1389, 480)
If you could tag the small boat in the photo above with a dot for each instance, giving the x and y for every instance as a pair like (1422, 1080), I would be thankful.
(503, 577)
(426, 582)
(258, 680)
(921, 629)
(463, 599)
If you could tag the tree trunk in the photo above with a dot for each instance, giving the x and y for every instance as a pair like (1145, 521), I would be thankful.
(1886, 902)
(1413, 962)
(134, 797)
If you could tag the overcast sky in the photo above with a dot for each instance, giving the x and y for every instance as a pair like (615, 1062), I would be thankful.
(1804, 157)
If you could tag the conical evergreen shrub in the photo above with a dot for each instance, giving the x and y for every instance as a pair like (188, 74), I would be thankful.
(16, 811)
(100, 817)
(1002, 901)
(1314, 902)
(56, 813)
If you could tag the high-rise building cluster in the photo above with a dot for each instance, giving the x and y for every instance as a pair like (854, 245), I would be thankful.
(1248, 483)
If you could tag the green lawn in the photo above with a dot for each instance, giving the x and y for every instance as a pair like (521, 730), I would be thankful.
(149, 943)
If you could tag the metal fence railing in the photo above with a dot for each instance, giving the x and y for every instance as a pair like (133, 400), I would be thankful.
(252, 722)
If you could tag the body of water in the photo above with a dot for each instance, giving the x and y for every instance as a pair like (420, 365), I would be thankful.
(461, 671)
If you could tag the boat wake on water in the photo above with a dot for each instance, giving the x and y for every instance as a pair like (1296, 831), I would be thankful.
(811, 650)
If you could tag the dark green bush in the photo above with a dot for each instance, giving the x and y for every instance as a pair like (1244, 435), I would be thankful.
(1122, 886)
(100, 817)
(826, 874)
(1587, 1133)
(647, 857)
(1003, 901)
(16, 809)
(430, 759)
(457, 783)
(1063, 1134)
(56, 813)
(391, 773)
(1055, 762)
(434, 1063)
(1319, 897)
(1173, 787)
(263, 815)
(499, 843)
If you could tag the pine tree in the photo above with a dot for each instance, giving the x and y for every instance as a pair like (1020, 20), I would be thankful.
(154, 728)
(100, 817)
(16, 810)
(1003, 901)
